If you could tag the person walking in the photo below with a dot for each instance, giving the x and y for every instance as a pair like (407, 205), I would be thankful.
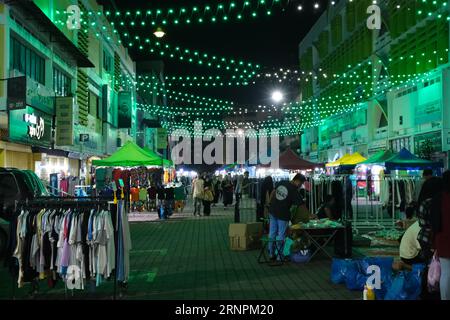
(441, 229)
(197, 194)
(227, 189)
(208, 197)
(217, 187)
(283, 200)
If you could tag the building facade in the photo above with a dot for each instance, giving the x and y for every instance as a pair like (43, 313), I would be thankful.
(375, 88)
(69, 89)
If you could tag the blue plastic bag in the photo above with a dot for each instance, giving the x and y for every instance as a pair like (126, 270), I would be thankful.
(407, 285)
(385, 264)
(354, 273)
(339, 269)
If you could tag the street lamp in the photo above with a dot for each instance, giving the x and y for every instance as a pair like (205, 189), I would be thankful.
(159, 33)
(277, 96)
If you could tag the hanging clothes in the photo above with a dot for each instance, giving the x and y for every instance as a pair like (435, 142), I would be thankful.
(51, 242)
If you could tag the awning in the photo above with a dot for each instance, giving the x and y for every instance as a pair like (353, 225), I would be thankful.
(348, 160)
(289, 160)
(405, 160)
(165, 162)
(130, 155)
(379, 158)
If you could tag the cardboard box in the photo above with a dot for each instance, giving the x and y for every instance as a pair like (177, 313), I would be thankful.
(245, 236)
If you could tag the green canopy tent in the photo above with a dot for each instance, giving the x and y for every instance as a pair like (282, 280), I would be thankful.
(165, 162)
(379, 158)
(130, 155)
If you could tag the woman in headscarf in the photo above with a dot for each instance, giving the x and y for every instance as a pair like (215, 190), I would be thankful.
(227, 189)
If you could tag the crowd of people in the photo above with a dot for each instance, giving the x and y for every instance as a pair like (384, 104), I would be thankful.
(208, 190)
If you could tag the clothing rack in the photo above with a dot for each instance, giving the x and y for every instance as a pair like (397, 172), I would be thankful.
(68, 202)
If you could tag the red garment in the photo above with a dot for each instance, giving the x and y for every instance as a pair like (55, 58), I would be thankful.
(64, 186)
(442, 239)
(134, 194)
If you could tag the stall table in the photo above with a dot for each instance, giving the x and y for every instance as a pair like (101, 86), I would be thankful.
(319, 234)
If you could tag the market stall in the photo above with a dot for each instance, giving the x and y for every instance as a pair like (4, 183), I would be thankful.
(130, 168)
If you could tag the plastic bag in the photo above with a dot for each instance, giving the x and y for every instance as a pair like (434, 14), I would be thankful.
(407, 285)
(302, 256)
(287, 247)
(434, 274)
(339, 270)
(354, 273)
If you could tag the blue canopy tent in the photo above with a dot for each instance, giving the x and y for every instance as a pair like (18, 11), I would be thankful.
(405, 160)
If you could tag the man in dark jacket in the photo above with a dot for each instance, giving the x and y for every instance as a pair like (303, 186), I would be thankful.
(284, 199)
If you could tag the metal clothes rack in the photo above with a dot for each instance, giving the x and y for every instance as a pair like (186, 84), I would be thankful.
(77, 202)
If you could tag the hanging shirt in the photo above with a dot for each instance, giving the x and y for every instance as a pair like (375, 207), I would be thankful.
(134, 194)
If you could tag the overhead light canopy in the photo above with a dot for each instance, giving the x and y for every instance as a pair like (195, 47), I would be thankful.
(159, 33)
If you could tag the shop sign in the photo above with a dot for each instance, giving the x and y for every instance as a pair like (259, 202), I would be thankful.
(40, 97)
(64, 121)
(429, 112)
(36, 126)
(30, 126)
(84, 137)
(125, 107)
(17, 93)
(161, 138)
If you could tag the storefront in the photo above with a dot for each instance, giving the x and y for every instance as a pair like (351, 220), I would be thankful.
(28, 127)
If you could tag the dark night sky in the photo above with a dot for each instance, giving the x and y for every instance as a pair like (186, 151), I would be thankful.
(271, 41)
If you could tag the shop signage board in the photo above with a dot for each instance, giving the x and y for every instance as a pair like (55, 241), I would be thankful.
(40, 97)
(30, 126)
(124, 108)
(17, 93)
(430, 112)
(161, 138)
(64, 121)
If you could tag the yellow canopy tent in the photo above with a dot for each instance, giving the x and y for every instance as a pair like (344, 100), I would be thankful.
(347, 160)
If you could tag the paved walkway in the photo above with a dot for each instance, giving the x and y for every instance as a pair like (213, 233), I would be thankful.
(189, 258)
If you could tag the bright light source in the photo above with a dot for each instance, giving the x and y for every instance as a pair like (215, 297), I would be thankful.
(159, 33)
(277, 96)
(300, 8)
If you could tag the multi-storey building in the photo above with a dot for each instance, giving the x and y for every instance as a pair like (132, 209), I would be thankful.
(69, 88)
(377, 88)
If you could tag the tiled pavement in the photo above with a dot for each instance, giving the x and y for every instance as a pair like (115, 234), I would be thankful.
(189, 258)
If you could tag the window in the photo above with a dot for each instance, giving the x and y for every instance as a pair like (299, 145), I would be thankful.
(27, 61)
(107, 65)
(93, 104)
(62, 84)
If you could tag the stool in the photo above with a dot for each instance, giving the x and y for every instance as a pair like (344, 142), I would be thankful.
(279, 244)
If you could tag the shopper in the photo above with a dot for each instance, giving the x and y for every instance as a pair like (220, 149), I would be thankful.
(283, 200)
(180, 197)
(152, 192)
(208, 197)
(430, 193)
(246, 185)
(217, 186)
(227, 189)
(410, 249)
(197, 194)
(441, 228)
(266, 191)
(427, 175)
